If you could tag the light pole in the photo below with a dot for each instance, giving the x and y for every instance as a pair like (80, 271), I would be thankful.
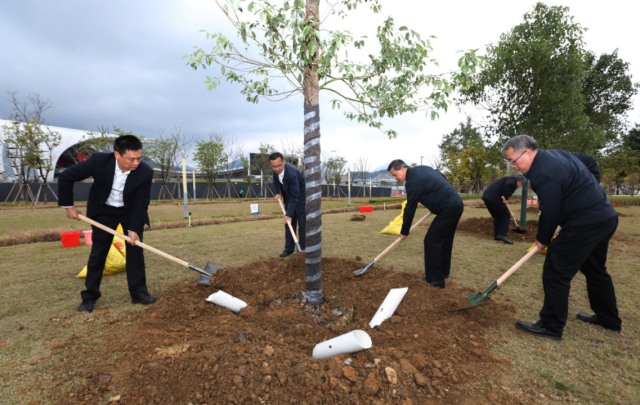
(421, 160)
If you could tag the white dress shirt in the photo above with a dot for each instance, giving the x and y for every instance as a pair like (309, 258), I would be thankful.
(119, 179)
(281, 176)
(116, 197)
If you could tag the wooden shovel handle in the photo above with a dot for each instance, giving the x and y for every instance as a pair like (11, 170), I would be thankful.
(381, 255)
(293, 233)
(521, 261)
(517, 265)
(512, 216)
(128, 239)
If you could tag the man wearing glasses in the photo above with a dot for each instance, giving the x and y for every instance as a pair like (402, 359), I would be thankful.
(570, 196)
(288, 183)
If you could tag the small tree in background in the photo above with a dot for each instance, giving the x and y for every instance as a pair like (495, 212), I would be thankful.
(608, 181)
(28, 145)
(632, 181)
(209, 156)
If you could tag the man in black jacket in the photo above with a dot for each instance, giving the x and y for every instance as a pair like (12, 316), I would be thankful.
(495, 197)
(288, 183)
(430, 188)
(120, 194)
(570, 197)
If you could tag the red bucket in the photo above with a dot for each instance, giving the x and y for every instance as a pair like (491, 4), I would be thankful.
(70, 239)
(370, 208)
(87, 237)
(363, 210)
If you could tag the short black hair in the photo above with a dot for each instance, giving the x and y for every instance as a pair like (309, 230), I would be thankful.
(396, 165)
(520, 178)
(275, 156)
(126, 142)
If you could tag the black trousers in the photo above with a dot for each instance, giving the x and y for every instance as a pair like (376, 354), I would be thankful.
(580, 248)
(298, 220)
(136, 279)
(501, 217)
(438, 243)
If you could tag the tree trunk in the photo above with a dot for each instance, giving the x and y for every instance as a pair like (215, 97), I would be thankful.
(312, 172)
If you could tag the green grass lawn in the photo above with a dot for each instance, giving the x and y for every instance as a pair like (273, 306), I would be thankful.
(49, 218)
(38, 291)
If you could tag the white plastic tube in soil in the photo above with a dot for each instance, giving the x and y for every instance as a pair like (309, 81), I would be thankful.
(351, 342)
(389, 306)
(226, 300)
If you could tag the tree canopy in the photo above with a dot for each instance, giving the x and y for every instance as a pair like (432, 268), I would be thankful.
(540, 81)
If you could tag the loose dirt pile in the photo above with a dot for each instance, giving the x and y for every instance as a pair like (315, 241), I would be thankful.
(483, 228)
(184, 350)
(358, 217)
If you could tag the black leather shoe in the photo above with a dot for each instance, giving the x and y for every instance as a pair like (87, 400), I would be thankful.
(504, 239)
(534, 328)
(86, 305)
(593, 319)
(143, 298)
(285, 253)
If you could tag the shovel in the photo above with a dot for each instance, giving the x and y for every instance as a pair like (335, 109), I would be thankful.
(479, 298)
(293, 233)
(365, 269)
(517, 228)
(205, 274)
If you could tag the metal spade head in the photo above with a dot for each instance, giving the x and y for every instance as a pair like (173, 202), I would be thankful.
(206, 273)
(519, 230)
(480, 298)
(363, 270)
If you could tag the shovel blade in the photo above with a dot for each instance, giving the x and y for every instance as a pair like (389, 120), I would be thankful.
(478, 298)
(206, 273)
(518, 230)
(363, 270)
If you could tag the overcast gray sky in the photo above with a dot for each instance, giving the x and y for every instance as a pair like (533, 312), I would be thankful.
(119, 63)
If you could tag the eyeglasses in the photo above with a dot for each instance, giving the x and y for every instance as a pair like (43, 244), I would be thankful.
(277, 166)
(514, 162)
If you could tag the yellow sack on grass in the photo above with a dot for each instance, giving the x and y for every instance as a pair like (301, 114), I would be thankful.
(544, 251)
(395, 226)
(116, 259)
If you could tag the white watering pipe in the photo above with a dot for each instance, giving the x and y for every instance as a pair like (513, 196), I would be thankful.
(389, 306)
(228, 301)
(351, 342)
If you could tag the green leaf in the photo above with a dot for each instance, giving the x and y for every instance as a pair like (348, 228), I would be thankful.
(402, 28)
(222, 69)
(209, 87)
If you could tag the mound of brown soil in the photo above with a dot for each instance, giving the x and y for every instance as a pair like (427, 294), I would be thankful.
(483, 228)
(358, 217)
(533, 209)
(186, 350)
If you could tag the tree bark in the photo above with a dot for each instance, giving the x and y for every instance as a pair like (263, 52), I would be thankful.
(313, 175)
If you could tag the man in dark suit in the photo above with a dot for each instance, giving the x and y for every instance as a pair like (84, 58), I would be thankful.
(430, 188)
(495, 197)
(120, 194)
(288, 183)
(570, 197)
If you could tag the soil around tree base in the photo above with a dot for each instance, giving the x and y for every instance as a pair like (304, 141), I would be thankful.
(184, 350)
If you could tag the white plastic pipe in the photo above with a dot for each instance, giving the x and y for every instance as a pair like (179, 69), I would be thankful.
(228, 301)
(389, 306)
(351, 342)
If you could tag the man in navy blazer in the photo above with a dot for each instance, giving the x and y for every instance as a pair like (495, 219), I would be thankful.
(288, 183)
(495, 198)
(120, 194)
